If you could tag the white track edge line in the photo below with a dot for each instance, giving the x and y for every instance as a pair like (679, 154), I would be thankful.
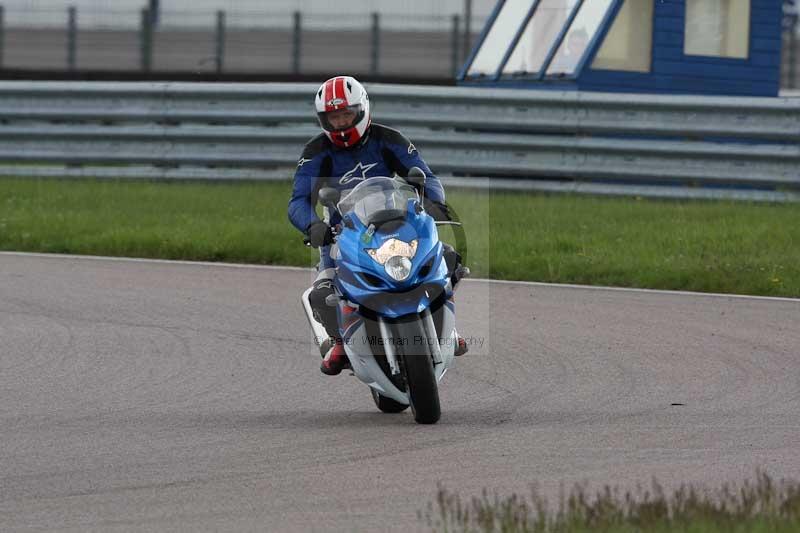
(472, 280)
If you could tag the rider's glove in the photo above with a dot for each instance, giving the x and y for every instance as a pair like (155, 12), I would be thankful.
(439, 211)
(319, 234)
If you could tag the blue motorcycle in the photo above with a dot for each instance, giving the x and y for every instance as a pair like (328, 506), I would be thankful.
(392, 288)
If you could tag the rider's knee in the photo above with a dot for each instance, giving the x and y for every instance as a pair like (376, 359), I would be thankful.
(322, 289)
(451, 257)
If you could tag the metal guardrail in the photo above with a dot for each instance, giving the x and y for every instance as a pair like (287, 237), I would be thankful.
(677, 146)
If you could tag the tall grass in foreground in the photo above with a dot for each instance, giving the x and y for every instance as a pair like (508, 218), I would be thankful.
(759, 506)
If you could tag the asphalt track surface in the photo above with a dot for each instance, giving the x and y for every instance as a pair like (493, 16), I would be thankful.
(147, 396)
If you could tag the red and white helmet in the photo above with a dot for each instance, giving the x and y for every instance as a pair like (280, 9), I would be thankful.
(334, 96)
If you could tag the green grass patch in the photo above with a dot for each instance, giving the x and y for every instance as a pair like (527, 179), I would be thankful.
(752, 507)
(730, 247)
(189, 221)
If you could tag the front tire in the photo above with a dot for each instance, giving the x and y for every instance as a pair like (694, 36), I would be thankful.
(387, 405)
(422, 387)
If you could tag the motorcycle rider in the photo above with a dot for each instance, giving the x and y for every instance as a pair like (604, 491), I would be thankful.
(350, 149)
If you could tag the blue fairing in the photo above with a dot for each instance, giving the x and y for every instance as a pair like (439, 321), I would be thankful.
(364, 281)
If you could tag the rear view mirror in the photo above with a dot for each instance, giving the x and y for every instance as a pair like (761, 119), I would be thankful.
(329, 197)
(416, 178)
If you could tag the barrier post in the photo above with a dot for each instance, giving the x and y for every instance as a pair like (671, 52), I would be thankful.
(2, 33)
(146, 41)
(456, 37)
(72, 38)
(376, 44)
(296, 48)
(467, 27)
(220, 50)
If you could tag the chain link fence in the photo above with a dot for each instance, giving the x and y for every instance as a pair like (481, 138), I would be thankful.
(249, 40)
(410, 38)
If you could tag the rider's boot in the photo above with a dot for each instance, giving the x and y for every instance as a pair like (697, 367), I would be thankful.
(335, 359)
(458, 272)
(461, 346)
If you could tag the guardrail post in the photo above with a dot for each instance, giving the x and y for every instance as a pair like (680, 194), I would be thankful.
(155, 12)
(146, 41)
(72, 37)
(456, 37)
(2, 34)
(467, 27)
(793, 53)
(297, 37)
(220, 56)
(376, 43)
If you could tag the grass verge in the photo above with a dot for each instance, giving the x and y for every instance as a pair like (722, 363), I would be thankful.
(753, 507)
(701, 246)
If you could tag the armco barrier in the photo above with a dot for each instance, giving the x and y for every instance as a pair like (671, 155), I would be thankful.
(677, 146)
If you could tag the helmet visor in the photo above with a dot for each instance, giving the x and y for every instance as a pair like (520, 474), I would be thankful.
(341, 119)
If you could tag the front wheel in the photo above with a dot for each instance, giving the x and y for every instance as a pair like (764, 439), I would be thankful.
(422, 387)
(387, 405)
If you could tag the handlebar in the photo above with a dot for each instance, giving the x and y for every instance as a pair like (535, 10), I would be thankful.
(334, 231)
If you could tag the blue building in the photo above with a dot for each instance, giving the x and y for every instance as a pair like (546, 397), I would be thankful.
(721, 47)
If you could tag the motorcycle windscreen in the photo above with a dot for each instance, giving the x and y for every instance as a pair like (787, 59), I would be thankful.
(378, 200)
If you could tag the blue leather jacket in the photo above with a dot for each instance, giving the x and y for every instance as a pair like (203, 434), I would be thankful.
(383, 152)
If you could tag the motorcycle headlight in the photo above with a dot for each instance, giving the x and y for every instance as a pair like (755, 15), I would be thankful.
(398, 267)
(393, 248)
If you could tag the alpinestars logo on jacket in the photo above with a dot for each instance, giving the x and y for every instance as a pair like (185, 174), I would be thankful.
(359, 173)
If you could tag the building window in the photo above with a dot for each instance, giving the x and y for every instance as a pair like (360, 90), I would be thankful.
(539, 36)
(719, 28)
(629, 43)
(579, 35)
(494, 47)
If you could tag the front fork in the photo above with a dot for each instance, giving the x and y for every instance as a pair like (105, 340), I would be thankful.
(363, 362)
(430, 332)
